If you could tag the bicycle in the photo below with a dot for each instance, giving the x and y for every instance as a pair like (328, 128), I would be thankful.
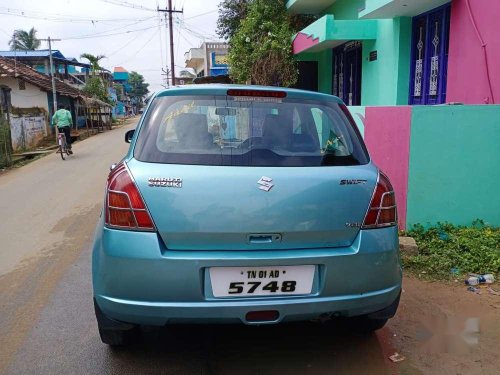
(63, 145)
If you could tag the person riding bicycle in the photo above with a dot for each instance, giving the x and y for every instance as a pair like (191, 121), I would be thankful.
(63, 120)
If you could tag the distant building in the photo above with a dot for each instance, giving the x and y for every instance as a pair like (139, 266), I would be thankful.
(208, 60)
(30, 102)
(68, 69)
(122, 88)
(185, 77)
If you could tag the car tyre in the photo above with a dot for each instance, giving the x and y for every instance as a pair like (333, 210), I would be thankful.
(113, 332)
(118, 338)
(366, 325)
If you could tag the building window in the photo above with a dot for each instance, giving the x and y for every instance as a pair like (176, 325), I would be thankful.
(429, 56)
(347, 63)
(21, 84)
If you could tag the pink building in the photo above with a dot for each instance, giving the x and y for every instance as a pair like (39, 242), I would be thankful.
(473, 70)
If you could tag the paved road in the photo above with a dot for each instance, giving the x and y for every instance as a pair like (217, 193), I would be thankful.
(47, 323)
(49, 210)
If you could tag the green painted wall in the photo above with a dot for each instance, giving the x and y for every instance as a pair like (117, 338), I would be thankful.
(385, 81)
(324, 59)
(358, 114)
(346, 9)
(403, 30)
(372, 5)
(454, 172)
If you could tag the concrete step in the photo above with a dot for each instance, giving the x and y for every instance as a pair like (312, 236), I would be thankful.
(408, 246)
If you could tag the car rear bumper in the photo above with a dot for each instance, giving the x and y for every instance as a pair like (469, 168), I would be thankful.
(136, 280)
(162, 313)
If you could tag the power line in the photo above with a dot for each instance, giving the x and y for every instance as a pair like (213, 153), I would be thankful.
(161, 40)
(201, 14)
(57, 17)
(127, 4)
(112, 34)
(107, 31)
(178, 41)
(139, 50)
(200, 34)
(127, 44)
(190, 43)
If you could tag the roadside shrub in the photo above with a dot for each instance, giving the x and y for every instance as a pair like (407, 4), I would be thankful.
(447, 251)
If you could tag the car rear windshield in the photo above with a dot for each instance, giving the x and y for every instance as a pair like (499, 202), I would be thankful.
(225, 130)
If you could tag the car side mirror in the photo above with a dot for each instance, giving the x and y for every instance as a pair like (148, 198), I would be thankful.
(129, 135)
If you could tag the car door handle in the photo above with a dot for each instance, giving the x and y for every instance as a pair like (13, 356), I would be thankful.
(264, 238)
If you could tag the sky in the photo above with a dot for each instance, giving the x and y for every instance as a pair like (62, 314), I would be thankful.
(130, 33)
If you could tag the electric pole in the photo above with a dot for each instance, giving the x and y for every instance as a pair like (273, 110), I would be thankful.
(170, 11)
(54, 92)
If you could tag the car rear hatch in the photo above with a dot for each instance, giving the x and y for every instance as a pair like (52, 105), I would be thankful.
(223, 208)
(220, 174)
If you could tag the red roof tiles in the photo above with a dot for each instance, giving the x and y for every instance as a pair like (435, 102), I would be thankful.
(9, 68)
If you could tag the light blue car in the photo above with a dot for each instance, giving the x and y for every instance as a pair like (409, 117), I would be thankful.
(245, 204)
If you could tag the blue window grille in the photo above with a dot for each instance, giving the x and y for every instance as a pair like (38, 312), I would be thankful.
(429, 56)
(346, 71)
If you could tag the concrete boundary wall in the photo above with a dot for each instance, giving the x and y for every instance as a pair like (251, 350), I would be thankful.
(454, 165)
(387, 136)
(27, 130)
(444, 161)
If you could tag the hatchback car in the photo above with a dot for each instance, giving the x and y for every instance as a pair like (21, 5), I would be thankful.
(245, 204)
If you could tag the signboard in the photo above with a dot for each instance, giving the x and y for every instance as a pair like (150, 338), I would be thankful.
(219, 60)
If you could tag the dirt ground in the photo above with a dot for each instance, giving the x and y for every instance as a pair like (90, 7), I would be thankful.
(441, 328)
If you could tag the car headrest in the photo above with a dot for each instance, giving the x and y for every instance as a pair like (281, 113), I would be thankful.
(192, 129)
(277, 130)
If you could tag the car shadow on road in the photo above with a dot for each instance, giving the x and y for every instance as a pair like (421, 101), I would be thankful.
(296, 348)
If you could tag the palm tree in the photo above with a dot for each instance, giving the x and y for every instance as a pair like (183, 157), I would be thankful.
(24, 40)
(94, 61)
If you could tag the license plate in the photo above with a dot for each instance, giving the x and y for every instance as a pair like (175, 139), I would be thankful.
(261, 281)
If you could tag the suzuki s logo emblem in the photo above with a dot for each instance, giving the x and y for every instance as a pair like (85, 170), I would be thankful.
(265, 183)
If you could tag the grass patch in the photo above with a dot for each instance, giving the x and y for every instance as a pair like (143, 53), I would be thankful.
(447, 251)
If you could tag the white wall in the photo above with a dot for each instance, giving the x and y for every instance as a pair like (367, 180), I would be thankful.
(27, 129)
(29, 98)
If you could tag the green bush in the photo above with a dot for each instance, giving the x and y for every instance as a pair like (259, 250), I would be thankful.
(447, 251)
(5, 144)
(260, 49)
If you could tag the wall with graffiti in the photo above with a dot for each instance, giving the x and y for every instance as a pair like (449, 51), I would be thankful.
(27, 131)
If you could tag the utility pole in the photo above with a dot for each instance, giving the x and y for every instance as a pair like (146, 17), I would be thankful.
(170, 11)
(54, 92)
(166, 73)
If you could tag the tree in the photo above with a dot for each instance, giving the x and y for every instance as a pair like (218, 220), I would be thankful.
(119, 90)
(24, 40)
(96, 89)
(260, 50)
(138, 88)
(94, 61)
(231, 12)
(95, 86)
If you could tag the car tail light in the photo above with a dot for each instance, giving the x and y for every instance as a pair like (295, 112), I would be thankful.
(382, 211)
(257, 93)
(125, 208)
